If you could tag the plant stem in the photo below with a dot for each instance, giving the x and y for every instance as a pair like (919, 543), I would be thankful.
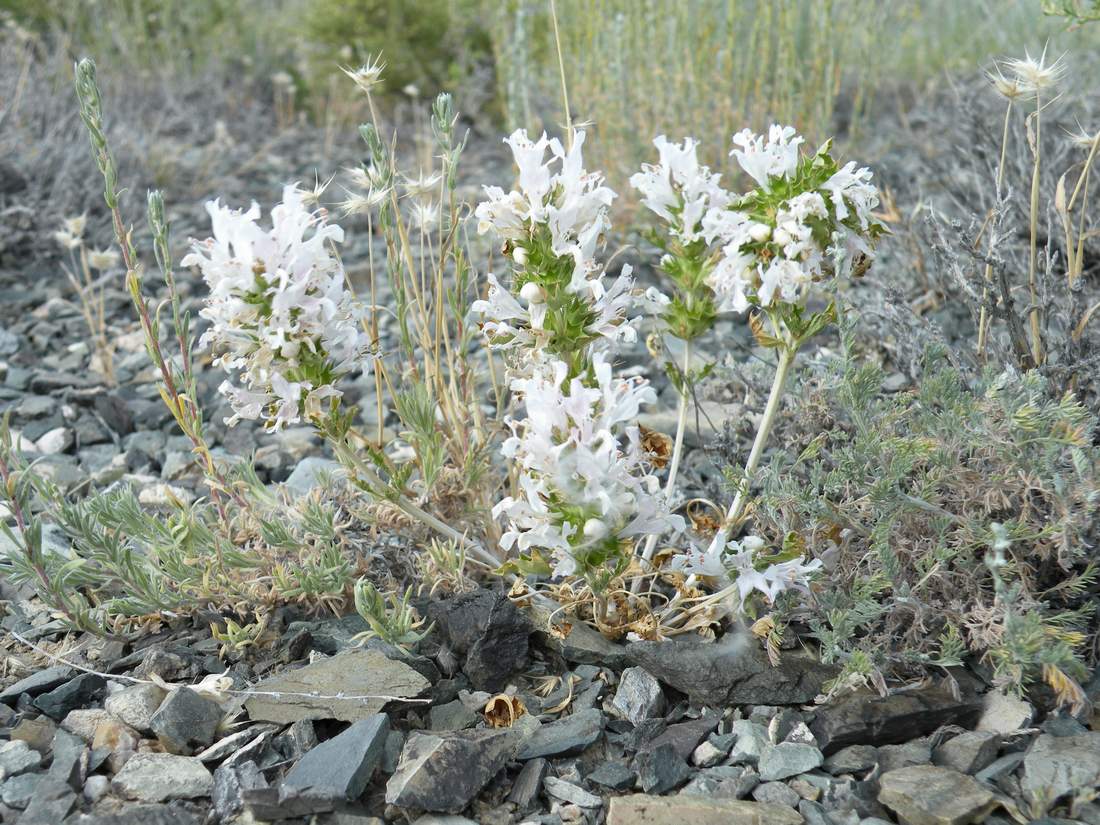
(786, 358)
(351, 459)
(677, 453)
(1033, 258)
(983, 320)
(564, 85)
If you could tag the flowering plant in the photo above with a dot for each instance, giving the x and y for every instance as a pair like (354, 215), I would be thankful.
(279, 309)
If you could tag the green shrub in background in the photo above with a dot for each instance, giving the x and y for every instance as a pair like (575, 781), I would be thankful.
(432, 44)
(167, 36)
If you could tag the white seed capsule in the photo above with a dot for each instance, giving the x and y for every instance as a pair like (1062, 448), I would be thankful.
(781, 237)
(760, 232)
(532, 293)
(594, 529)
(519, 255)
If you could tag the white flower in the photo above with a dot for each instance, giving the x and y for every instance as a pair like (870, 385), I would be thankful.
(1036, 76)
(366, 76)
(423, 184)
(737, 561)
(678, 189)
(762, 160)
(554, 192)
(279, 309)
(102, 259)
(850, 187)
(583, 475)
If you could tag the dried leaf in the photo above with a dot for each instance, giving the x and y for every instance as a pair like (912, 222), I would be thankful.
(656, 445)
(503, 710)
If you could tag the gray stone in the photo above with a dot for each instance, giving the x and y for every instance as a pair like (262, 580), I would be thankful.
(70, 759)
(661, 769)
(968, 752)
(1002, 713)
(341, 767)
(528, 784)
(775, 793)
(1057, 765)
(640, 809)
(452, 716)
(614, 775)
(186, 721)
(568, 735)
(158, 777)
(1000, 768)
(751, 741)
(489, 631)
(444, 772)
(580, 644)
(37, 683)
(788, 759)
(723, 781)
(441, 819)
(852, 759)
(684, 737)
(892, 757)
(231, 744)
(367, 675)
(18, 791)
(230, 783)
(568, 792)
(931, 795)
(83, 722)
(312, 472)
(639, 696)
(865, 719)
(96, 787)
(17, 757)
(53, 801)
(75, 693)
(732, 672)
(142, 815)
(136, 704)
(707, 755)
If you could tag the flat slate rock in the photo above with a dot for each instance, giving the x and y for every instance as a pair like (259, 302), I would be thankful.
(1058, 765)
(931, 795)
(442, 773)
(360, 673)
(863, 719)
(37, 683)
(141, 815)
(341, 767)
(723, 673)
(641, 809)
(568, 735)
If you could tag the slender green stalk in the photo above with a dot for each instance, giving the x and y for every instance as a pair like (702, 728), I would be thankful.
(1033, 257)
(677, 453)
(564, 85)
(351, 459)
(787, 355)
(983, 319)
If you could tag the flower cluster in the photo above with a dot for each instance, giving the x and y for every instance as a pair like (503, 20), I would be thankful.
(586, 485)
(739, 562)
(679, 189)
(806, 221)
(281, 314)
(552, 227)
(586, 481)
